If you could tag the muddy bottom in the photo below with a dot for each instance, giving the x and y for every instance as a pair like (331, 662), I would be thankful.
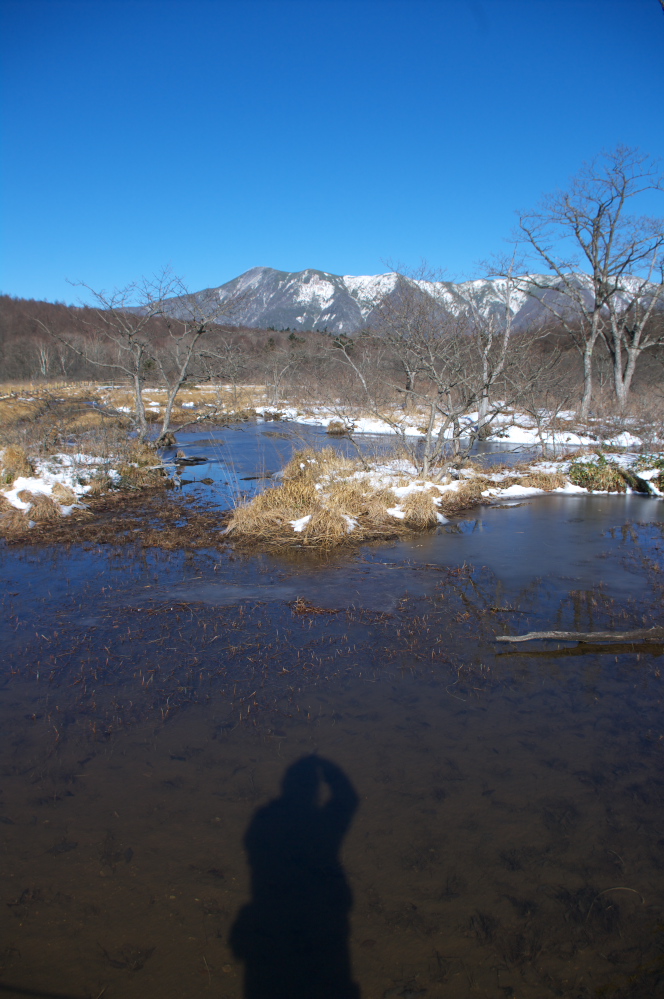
(251, 777)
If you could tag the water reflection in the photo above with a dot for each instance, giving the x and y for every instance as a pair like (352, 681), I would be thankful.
(293, 935)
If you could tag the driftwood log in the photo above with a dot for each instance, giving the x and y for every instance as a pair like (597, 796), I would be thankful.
(642, 635)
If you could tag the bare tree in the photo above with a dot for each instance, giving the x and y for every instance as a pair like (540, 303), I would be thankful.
(152, 326)
(44, 358)
(588, 226)
(634, 324)
(224, 359)
(458, 358)
(491, 334)
(278, 359)
(189, 323)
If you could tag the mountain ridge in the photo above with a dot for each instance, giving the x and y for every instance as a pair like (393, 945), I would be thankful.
(311, 299)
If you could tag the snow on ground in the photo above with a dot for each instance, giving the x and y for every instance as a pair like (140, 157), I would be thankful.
(510, 428)
(70, 470)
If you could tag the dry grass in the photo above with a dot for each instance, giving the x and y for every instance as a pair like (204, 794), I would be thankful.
(342, 509)
(13, 410)
(85, 419)
(337, 429)
(139, 469)
(312, 466)
(421, 511)
(326, 529)
(468, 494)
(14, 463)
(12, 521)
(63, 494)
(99, 484)
(543, 480)
(42, 507)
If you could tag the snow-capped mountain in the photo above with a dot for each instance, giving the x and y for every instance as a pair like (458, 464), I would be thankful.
(315, 300)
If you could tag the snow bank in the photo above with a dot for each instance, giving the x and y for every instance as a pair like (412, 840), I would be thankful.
(511, 428)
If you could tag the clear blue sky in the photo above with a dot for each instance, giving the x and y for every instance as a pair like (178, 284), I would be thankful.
(217, 135)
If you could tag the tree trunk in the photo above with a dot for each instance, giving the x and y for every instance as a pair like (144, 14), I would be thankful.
(426, 454)
(622, 379)
(170, 402)
(410, 386)
(141, 419)
(587, 379)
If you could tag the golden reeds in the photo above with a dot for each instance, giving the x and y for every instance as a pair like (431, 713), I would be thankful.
(63, 494)
(543, 480)
(11, 519)
(343, 506)
(336, 428)
(99, 484)
(420, 511)
(42, 507)
(326, 529)
(14, 464)
(467, 494)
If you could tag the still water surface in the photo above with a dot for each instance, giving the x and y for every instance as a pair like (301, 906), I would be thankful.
(297, 777)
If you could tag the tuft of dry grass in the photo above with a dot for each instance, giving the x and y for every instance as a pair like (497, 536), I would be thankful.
(468, 494)
(99, 484)
(342, 509)
(63, 494)
(14, 463)
(336, 428)
(79, 421)
(543, 480)
(326, 529)
(42, 507)
(312, 466)
(296, 496)
(138, 470)
(420, 510)
(12, 521)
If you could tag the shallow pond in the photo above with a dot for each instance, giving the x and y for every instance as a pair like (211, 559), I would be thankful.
(298, 777)
(241, 460)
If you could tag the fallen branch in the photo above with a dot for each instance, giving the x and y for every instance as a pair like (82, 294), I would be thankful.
(642, 635)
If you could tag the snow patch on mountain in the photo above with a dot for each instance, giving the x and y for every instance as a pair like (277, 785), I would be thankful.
(318, 300)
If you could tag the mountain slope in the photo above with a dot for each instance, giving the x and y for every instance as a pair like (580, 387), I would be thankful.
(315, 300)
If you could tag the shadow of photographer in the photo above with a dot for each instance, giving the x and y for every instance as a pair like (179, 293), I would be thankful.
(293, 934)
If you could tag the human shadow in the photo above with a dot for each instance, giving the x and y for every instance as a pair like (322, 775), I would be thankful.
(293, 934)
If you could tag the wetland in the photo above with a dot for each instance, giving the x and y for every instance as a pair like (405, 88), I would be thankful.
(264, 773)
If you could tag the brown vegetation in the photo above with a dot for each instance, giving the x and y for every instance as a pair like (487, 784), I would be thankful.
(42, 507)
(342, 509)
(14, 464)
(149, 518)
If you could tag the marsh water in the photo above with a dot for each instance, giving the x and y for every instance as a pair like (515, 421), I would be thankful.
(269, 776)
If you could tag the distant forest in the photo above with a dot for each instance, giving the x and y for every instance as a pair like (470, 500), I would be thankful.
(28, 351)
(292, 365)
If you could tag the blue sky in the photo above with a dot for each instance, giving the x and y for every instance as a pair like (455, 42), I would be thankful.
(215, 135)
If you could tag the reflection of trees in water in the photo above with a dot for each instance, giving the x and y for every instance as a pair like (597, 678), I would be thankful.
(293, 935)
